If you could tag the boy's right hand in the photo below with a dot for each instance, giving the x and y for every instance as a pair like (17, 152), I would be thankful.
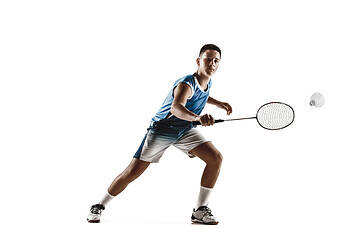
(206, 120)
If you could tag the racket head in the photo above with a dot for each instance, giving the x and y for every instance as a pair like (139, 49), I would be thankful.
(275, 115)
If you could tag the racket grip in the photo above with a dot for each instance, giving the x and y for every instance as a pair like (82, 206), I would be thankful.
(196, 123)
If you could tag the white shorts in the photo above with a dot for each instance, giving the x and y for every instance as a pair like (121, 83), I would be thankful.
(154, 145)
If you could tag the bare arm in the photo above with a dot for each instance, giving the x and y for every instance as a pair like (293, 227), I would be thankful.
(181, 94)
(213, 101)
(223, 105)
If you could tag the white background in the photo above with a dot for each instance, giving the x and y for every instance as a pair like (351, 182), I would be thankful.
(80, 81)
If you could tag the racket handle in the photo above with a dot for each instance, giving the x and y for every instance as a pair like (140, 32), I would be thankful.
(196, 123)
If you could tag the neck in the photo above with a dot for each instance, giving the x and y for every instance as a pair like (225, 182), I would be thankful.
(202, 79)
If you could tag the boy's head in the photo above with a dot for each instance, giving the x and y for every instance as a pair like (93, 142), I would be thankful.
(209, 47)
(208, 60)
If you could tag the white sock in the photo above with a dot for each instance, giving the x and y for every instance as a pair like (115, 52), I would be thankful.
(203, 199)
(106, 199)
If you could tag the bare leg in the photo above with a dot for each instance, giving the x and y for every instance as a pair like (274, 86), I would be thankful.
(213, 158)
(133, 171)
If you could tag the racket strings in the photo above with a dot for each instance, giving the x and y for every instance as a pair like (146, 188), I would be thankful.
(275, 116)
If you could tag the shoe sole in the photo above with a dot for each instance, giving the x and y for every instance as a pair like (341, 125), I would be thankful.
(202, 222)
(93, 221)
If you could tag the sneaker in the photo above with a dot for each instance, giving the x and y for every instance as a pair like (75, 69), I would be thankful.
(95, 213)
(203, 215)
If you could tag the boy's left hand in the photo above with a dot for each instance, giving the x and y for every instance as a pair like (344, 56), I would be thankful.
(226, 106)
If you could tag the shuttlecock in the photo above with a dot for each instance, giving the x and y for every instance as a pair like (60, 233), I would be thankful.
(317, 100)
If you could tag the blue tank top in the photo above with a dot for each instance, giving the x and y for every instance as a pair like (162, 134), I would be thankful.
(165, 123)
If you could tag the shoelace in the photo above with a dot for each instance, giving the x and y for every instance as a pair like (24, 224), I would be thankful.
(206, 211)
(96, 209)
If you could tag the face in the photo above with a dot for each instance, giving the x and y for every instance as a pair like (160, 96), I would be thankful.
(208, 62)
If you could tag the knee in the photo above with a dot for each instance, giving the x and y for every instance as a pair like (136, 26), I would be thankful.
(217, 159)
(131, 174)
(133, 171)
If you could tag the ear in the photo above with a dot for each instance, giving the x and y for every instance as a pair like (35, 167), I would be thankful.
(198, 61)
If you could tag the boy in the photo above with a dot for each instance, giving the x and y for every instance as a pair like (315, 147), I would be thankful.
(173, 125)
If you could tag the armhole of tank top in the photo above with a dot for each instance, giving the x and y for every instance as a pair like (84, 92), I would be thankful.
(192, 89)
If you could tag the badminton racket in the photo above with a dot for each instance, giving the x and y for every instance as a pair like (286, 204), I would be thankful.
(271, 116)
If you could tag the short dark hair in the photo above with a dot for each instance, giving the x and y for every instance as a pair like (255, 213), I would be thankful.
(209, 47)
